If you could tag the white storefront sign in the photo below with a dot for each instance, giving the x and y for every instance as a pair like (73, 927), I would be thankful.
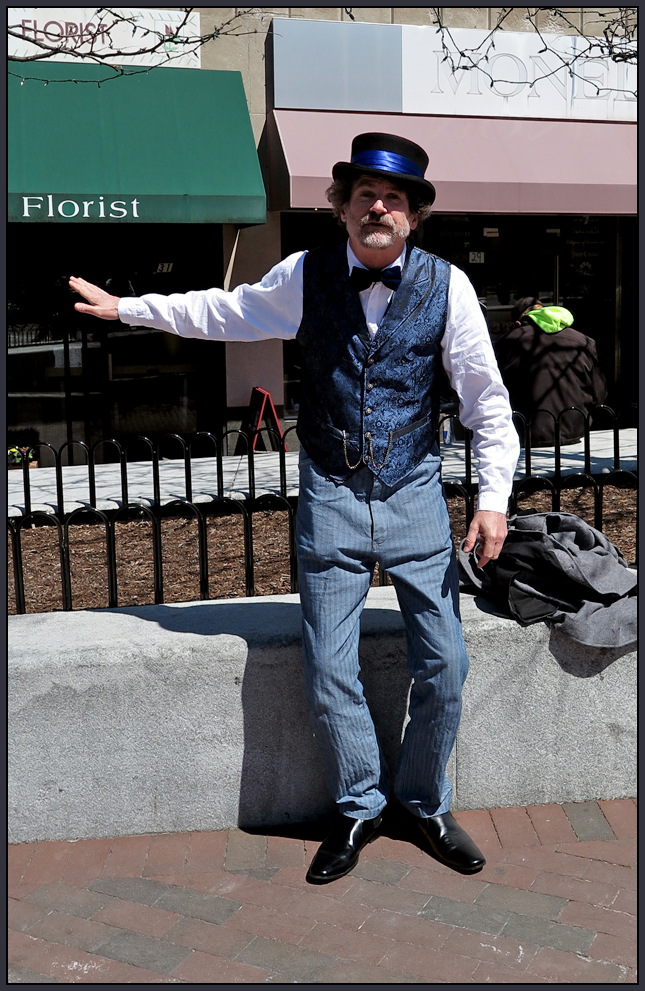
(529, 73)
(53, 206)
(403, 68)
(99, 30)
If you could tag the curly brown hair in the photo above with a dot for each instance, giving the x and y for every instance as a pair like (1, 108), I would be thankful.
(340, 191)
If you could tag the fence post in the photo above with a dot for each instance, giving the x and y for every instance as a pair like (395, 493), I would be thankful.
(92, 476)
(66, 575)
(219, 444)
(156, 487)
(18, 577)
(249, 452)
(203, 556)
(26, 482)
(157, 558)
(188, 472)
(113, 594)
(248, 551)
(125, 498)
(59, 484)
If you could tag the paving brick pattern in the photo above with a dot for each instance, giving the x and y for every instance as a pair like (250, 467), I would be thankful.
(555, 904)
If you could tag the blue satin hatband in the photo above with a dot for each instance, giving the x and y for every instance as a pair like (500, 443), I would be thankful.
(388, 161)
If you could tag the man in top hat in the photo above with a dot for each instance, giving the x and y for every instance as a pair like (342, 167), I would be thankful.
(376, 319)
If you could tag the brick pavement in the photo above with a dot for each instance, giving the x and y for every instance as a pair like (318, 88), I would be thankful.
(555, 904)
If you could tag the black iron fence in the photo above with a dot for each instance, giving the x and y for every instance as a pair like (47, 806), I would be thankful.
(220, 505)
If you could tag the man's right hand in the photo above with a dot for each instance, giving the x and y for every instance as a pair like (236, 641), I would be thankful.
(100, 303)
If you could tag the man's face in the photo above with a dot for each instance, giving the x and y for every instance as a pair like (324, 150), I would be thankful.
(378, 213)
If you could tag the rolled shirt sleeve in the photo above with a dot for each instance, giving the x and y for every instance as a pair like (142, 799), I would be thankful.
(270, 308)
(484, 407)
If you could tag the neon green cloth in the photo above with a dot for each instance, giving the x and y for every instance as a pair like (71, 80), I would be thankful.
(552, 319)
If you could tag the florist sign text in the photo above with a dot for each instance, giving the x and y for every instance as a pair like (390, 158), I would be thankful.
(54, 207)
(117, 34)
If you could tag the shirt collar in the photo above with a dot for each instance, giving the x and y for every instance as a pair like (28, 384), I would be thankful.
(353, 261)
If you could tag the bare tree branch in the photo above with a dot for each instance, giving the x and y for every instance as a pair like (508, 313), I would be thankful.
(616, 44)
(98, 46)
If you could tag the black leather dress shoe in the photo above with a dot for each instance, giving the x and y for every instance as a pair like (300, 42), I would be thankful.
(451, 844)
(339, 852)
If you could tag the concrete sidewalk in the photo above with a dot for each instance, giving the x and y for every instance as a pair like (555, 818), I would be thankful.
(555, 904)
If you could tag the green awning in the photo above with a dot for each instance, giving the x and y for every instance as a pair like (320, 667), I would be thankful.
(166, 146)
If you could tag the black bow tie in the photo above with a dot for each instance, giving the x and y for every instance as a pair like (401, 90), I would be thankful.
(362, 278)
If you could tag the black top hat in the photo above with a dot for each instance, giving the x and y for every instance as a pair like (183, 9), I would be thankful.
(391, 157)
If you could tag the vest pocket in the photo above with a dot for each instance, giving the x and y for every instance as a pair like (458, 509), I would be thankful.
(335, 432)
(415, 425)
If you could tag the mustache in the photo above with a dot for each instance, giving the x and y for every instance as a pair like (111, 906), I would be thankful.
(375, 218)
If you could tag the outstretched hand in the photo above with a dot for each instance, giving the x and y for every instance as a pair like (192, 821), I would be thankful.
(489, 530)
(99, 302)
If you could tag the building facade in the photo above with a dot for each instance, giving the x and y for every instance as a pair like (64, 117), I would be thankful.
(535, 179)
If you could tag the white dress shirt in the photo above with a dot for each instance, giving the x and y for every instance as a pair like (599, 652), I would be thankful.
(273, 308)
(376, 298)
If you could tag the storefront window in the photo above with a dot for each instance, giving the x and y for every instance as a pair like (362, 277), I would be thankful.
(584, 263)
(71, 377)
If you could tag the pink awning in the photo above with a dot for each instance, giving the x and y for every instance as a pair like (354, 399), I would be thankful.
(478, 165)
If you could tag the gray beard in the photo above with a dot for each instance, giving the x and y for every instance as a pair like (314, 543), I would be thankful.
(383, 238)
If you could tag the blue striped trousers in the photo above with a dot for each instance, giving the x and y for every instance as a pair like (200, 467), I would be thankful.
(342, 530)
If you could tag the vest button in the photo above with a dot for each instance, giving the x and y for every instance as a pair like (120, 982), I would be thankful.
(370, 386)
(370, 361)
(368, 410)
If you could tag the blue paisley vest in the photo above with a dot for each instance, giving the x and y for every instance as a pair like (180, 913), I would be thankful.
(365, 401)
